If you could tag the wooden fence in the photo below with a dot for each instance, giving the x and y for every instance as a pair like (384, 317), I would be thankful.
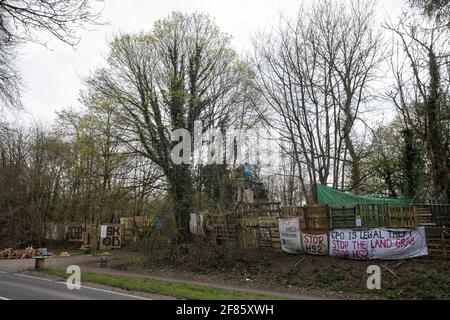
(438, 242)
(269, 209)
(381, 215)
(256, 225)
(441, 214)
(221, 229)
(343, 217)
(293, 212)
(317, 218)
(259, 232)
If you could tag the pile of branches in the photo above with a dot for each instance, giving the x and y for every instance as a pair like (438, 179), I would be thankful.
(27, 253)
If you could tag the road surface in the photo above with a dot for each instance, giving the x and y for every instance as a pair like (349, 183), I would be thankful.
(15, 286)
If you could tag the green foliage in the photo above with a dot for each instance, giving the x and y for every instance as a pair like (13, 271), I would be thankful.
(411, 164)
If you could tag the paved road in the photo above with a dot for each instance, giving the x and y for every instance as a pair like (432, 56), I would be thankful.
(26, 287)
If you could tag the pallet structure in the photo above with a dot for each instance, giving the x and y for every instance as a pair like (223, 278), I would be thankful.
(255, 225)
(438, 242)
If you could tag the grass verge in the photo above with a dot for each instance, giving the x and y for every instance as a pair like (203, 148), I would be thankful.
(180, 290)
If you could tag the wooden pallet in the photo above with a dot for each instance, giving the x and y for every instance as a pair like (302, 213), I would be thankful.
(318, 217)
(292, 212)
(226, 235)
(438, 242)
(441, 214)
(264, 209)
(343, 217)
(260, 232)
(424, 216)
(381, 215)
(402, 216)
(373, 215)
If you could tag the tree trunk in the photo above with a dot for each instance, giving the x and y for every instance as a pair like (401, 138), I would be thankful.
(355, 167)
(439, 159)
(181, 191)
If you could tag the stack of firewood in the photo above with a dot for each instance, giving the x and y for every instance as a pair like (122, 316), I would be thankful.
(19, 254)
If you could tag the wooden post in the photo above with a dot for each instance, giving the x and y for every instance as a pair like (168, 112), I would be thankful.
(39, 263)
(330, 213)
(389, 216)
(314, 193)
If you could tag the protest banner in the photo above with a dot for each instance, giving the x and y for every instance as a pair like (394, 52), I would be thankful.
(316, 244)
(378, 243)
(290, 235)
(110, 236)
(196, 224)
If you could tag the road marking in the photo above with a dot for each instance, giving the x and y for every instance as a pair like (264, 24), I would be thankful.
(108, 291)
(31, 277)
(3, 272)
(3, 298)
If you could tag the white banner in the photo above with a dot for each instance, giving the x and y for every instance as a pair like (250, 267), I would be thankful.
(103, 230)
(316, 244)
(290, 235)
(111, 236)
(196, 224)
(378, 243)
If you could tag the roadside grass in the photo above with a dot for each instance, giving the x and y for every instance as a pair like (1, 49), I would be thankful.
(179, 290)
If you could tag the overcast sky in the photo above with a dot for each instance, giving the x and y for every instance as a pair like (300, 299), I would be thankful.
(53, 78)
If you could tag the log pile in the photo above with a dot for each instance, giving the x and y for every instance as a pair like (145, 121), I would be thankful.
(19, 254)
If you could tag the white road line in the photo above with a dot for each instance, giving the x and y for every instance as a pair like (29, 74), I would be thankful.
(3, 298)
(113, 292)
(3, 272)
(31, 277)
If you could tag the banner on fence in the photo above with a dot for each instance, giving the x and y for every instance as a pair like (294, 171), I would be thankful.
(316, 244)
(110, 236)
(378, 243)
(196, 224)
(290, 235)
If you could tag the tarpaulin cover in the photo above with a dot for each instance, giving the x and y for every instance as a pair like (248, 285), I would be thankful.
(333, 197)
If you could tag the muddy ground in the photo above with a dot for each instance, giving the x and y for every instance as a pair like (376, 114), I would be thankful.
(324, 276)
(313, 276)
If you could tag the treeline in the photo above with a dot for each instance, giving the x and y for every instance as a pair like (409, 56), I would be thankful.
(317, 82)
(73, 173)
(325, 77)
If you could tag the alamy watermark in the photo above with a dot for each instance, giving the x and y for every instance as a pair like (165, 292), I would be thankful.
(374, 280)
(73, 282)
(212, 146)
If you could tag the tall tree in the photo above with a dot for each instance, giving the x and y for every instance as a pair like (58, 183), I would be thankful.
(421, 92)
(182, 71)
(315, 74)
(439, 10)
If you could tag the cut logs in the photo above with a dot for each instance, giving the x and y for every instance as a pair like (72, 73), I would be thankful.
(27, 253)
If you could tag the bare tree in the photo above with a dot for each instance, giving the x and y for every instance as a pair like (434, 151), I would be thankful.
(315, 74)
(420, 65)
(183, 71)
(9, 75)
(439, 10)
(22, 20)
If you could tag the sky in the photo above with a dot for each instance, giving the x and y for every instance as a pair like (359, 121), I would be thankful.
(54, 75)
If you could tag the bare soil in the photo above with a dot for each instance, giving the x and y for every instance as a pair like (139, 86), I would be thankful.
(321, 276)
(304, 276)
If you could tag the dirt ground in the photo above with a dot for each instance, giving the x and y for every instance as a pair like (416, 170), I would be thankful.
(306, 275)
(321, 276)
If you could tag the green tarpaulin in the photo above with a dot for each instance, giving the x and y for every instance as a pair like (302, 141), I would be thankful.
(333, 197)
